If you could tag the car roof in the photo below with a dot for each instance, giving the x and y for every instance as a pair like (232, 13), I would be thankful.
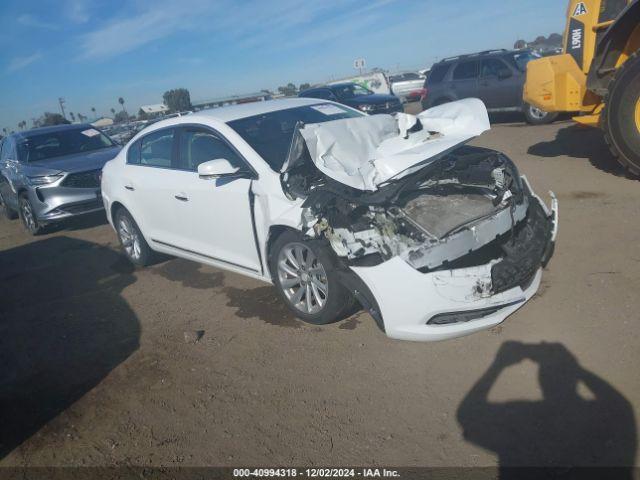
(476, 55)
(236, 112)
(51, 129)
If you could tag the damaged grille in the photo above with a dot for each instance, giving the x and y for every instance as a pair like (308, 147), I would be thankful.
(525, 252)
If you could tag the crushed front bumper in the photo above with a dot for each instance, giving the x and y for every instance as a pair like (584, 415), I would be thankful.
(445, 304)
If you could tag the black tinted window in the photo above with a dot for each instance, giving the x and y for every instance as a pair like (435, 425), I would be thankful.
(491, 67)
(156, 148)
(270, 134)
(437, 74)
(466, 71)
(200, 145)
(42, 146)
(133, 154)
(324, 94)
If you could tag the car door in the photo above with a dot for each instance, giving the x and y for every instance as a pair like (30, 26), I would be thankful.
(213, 217)
(498, 87)
(148, 184)
(464, 80)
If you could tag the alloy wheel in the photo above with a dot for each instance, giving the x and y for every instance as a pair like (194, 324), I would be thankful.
(28, 217)
(537, 113)
(302, 278)
(129, 237)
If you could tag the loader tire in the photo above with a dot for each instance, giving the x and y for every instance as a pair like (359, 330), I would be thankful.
(620, 119)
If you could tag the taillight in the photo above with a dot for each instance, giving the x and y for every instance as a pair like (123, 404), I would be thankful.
(423, 94)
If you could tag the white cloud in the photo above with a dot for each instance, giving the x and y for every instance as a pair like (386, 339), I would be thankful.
(28, 20)
(19, 63)
(77, 11)
(249, 23)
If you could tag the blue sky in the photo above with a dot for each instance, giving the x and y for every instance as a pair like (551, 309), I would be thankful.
(92, 52)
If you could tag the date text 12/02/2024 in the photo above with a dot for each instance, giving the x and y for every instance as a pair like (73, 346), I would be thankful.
(315, 473)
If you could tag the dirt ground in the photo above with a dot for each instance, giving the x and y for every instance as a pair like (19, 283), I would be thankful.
(95, 368)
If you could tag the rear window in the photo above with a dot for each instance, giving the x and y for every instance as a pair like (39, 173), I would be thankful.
(438, 73)
(466, 71)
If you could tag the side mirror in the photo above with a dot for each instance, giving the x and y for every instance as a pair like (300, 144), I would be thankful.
(504, 73)
(218, 168)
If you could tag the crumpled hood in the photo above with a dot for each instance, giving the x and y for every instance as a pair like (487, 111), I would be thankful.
(366, 152)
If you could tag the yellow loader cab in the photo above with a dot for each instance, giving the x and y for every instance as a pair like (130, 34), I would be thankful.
(598, 75)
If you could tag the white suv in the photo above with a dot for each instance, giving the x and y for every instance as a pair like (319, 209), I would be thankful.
(336, 208)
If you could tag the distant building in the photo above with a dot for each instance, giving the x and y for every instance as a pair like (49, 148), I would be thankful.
(155, 110)
(230, 100)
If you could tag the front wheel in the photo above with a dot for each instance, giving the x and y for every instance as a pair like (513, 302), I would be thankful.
(537, 116)
(28, 215)
(306, 280)
(620, 118)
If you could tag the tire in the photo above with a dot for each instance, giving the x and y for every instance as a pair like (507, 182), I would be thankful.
(620, 118)
(28, 215)
(309, 288)
(134, 246)
(536, 116)
(7, 211)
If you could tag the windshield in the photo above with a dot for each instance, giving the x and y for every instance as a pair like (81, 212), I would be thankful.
(345, 92)
(40, 147)
(522, 59)
(270, 134)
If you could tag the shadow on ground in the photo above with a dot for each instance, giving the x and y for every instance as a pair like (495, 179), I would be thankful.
(580, 142)
(63, 328)
(570, 427)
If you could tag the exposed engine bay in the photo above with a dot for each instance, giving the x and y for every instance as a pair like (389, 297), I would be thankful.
(465, 205)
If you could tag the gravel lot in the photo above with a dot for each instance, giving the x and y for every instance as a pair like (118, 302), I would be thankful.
(95, 368)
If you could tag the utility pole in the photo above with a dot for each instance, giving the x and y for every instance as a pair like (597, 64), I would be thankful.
(61, 101)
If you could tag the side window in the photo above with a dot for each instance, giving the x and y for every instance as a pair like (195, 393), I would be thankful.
(198, 145)
(133, 154)
(324, 94)
(156, 148)
(466, 71)
(437, 74)
(492, 66)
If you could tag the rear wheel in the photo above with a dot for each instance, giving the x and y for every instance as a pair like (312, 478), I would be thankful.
(133, 243)
(28, 215)
(536, 116)
(620, 117)
(306, 280)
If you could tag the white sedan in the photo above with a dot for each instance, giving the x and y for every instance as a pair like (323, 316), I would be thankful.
(395, 214)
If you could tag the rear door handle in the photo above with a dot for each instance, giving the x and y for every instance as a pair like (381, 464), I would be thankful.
(129, 187)
(181, 196)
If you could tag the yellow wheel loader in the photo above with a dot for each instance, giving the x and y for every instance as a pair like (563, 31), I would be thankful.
(598, 75)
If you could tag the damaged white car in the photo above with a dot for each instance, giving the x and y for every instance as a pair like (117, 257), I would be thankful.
(436, 239)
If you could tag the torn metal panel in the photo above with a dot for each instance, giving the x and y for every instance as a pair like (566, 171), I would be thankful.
(366, 152)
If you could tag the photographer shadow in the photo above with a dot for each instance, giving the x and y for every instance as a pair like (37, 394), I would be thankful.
(564, 430)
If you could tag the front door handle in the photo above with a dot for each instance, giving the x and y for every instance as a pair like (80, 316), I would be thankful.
(181, 196)
(129, 187)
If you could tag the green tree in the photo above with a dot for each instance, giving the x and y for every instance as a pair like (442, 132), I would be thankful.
(73, 116)
(177, 100)
(304, 86)
(289, 90)
(93, 109)
(142, 115)
(113, 111)
(121, 117)
(49, 119)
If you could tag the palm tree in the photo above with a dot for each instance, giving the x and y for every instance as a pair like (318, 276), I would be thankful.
(93, 109)
(73, 116)
(4, 130)
(121, 102)
(113, 111)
